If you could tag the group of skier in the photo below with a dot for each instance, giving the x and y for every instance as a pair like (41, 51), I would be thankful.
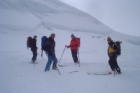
(49, 49)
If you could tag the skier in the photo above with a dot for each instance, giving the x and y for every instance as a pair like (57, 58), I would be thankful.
(74, 46)
(34, 48)
(112, 53)
(51, 53)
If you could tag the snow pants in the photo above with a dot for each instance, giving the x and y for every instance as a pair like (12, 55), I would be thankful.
(114, 65)
(74, 56)
(50, 59)
(34, 51)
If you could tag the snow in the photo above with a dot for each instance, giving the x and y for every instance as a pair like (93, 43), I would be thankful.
(18, 75)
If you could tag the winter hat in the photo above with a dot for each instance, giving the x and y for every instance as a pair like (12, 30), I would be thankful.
(72, 35)
(53, 34)
(109, 38)
(35, 36)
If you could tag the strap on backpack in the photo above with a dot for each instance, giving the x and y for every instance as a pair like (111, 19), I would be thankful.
(42, 53)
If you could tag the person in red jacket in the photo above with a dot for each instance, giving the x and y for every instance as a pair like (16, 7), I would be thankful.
(74, 46)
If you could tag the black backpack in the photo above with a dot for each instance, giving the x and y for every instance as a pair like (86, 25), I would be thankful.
(118, 43)
(29, 42)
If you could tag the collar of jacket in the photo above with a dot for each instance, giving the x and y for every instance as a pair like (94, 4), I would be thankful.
(111, 43)
(74, 38)
(51, 38)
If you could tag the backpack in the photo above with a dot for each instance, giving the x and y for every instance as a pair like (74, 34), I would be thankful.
(78, 40)
(118, 43)
(29, 42)
(44, 43)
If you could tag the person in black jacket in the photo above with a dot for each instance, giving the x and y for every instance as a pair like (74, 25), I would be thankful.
(34, 49)
(51, 53)
(112, 50)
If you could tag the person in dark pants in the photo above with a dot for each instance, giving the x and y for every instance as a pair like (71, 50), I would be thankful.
(74, 46)
(34, 49)
(50, 47)
(112, 49)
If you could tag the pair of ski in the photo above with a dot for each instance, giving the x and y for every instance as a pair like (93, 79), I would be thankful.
(67, 65)
(115, 73)
(33, 62)
(97, 73)
(62, 65)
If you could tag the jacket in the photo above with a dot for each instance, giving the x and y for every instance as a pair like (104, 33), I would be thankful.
(34, 44)
(74, 44)
(112, 49)
(51, 46)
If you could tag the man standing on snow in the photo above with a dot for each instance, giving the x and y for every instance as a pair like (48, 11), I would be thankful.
(112, 50)
(34, 49)
(74, 46)
(51, 53)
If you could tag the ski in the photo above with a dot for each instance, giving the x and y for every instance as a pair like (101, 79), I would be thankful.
(101, 74)
(62, 65)
(73, 71)
(98, 74)
(33, 63)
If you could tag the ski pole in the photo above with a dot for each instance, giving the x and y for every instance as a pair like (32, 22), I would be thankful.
(34, 64)
(41, 57)
(78, 58)
(58, 71)
(56, 67)
(42, 53)
(62, 54)
(107, 66)
(78, 55)
(115, 71)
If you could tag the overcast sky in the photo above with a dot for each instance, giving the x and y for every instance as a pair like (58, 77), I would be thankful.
(120, 15)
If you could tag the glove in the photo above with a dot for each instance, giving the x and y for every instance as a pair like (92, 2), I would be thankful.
(66, 46)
